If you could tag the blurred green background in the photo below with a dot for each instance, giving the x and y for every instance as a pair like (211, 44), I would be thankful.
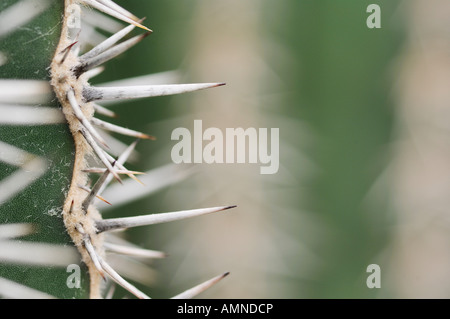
(316, 71)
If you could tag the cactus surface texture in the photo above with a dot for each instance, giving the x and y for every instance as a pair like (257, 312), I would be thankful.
(58, 162)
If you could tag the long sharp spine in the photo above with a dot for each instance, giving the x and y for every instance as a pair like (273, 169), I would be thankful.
(100, 48)
(134, 92)
(120, 281)
(103, 110)
(108, 54)
(93, 254)
(88, 190)
(125, 155)
(144, 220)
(119, 129)
(190, 293)
(134, 251)
(82, 118)
(100, 153)
(93, 72)
(112, 12)
(98, 170)
(94, 192)
(111, 4)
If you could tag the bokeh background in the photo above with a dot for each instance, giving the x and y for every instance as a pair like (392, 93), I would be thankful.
(364, 170)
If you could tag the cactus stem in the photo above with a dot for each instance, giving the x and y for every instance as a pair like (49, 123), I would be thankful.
(69, 81)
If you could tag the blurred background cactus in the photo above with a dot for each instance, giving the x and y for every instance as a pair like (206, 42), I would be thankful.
(362, 176)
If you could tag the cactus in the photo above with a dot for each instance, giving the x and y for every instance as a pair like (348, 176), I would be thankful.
(53, 146)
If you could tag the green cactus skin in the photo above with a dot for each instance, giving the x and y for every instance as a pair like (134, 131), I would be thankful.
(41, 202)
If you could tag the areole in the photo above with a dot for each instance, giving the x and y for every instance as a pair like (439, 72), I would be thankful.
(70, 73)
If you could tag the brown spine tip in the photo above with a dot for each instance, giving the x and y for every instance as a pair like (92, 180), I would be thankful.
(71, 207)
(144, 27)
(103, 200)
(146, 34)
(66, 52)
(148, 137)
